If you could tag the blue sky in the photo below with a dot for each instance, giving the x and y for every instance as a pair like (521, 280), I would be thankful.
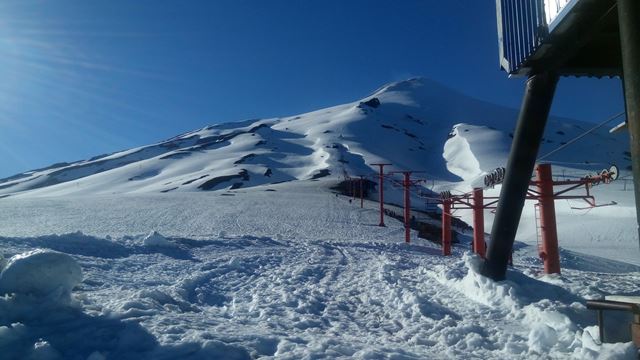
(81, 78)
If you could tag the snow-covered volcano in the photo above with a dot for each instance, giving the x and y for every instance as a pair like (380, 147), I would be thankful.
(149, 254)
(406, 123)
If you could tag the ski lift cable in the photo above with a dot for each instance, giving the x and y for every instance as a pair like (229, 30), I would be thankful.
(610, 119)
(574, 163)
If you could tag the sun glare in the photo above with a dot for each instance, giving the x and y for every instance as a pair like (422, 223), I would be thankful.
(62, 71)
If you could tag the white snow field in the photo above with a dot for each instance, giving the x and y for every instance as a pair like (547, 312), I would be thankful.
(227, 243)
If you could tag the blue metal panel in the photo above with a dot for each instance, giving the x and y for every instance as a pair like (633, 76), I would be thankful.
(522, 28)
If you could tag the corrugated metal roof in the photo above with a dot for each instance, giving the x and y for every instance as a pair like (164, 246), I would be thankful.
(523, 27)
(573, 37)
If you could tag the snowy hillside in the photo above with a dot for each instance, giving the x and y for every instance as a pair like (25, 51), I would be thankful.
(291, 273)
(405, 123)
(227, 243)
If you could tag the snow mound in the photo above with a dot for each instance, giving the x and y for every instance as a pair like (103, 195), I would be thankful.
(551, 316)
(472, 151)
(40, 273)
(155, 239)
(460, 159)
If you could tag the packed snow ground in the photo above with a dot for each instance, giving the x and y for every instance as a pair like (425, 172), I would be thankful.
(292, 273)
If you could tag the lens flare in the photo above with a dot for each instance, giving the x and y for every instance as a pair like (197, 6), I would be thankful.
(65, 76)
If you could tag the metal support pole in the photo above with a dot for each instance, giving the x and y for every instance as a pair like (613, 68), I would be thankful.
(550, 253)
(534, 112)
(601, 326)
(446, 227)
(478, 222)
(353, 189)
(406, 184)
(629, 22)
(381, 197)
(381, 192)
(361, 193)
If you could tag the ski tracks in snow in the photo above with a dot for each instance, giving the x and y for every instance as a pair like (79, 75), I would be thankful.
(315, 279)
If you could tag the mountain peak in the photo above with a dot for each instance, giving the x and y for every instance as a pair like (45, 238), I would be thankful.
(406, 123)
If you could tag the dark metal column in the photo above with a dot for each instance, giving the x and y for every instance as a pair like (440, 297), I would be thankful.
(629, 21)
(534, 112)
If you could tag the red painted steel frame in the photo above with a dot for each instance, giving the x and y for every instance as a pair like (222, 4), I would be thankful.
(478, 222)
(353, 189)
(406, 184)
(381, 193)
(543, 191)
(475, 201)
(550, 254)
(446, 227)
(361, 193)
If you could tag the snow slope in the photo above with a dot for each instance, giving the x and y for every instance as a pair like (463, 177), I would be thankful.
(291, 273)
(415, 125)
(226, 242)
(405, 123)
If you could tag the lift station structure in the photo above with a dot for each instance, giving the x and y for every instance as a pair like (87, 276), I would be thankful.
(544, 40)
(543, 189)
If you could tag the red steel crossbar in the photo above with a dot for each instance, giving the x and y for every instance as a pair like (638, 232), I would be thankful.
(543, 191)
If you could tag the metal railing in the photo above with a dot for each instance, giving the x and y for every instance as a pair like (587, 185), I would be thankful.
(522, 27)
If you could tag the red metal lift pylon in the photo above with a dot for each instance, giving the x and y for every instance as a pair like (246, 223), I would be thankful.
(446, 227)
(549, 252)
(474, 201)
(406, 187)
(381, 191)
(361, 192)
(406, 183)
(353, 189)
(479, 245)
(543, 191)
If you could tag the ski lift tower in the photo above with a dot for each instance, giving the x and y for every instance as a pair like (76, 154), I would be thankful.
(544, 40)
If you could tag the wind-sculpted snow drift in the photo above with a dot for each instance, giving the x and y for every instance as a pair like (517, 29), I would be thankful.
(40, 273)
(226, 242)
